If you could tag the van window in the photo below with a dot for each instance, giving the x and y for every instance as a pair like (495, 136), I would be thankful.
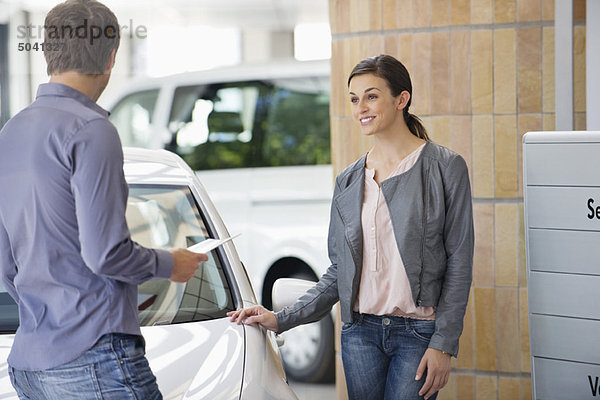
(252, 124)
(133, 117)
(213, 126)
(297, 126)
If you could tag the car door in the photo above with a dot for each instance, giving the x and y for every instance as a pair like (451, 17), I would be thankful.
(192, 347)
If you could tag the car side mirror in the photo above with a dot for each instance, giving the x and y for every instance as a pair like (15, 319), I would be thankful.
(287, 290)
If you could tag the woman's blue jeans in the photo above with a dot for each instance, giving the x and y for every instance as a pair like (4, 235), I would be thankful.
(381, 355)
(116, 368)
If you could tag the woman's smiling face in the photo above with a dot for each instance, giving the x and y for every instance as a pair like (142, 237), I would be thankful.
(373, 105)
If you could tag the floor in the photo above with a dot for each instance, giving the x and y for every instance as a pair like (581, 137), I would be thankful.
(310, 391)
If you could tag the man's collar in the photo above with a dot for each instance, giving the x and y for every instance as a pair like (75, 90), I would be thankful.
(62, 90)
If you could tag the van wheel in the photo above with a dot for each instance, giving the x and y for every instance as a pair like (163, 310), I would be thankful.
(308, 353)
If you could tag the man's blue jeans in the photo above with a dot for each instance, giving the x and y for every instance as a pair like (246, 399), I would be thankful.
(381, 355)
(114, 369)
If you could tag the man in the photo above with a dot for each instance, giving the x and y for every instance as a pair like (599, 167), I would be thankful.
(66, 255)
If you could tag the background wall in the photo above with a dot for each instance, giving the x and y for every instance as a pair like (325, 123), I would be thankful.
(483, 75)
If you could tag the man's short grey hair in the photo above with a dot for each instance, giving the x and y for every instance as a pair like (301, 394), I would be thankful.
(79, 35)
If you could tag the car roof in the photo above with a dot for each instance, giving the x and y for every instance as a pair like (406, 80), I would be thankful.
(245, 72)
(154, 166)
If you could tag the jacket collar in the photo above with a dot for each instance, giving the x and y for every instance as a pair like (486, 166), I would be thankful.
(355, 176)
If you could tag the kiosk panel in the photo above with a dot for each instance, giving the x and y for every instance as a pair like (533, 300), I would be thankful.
(561, 178)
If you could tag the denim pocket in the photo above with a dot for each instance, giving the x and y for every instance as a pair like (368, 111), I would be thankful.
(133, 347)
(423, 329)
(348, 326)
(70, 383)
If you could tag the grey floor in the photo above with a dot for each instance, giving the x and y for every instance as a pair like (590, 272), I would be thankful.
(307, 391)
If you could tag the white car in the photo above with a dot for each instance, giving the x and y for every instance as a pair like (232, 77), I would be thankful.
(258, 138)
(193, 348)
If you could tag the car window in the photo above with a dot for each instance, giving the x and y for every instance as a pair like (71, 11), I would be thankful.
(163, 216)
(133, 116)
(252, 124)
(9, 313)
(166, 216)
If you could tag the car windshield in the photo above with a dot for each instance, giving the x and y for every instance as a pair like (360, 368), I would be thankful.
(164, 216)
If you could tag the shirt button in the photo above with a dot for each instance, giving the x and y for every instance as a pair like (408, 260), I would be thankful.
(386, 321)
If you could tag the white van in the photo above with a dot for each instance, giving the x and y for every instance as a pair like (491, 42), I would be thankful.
(258, 137)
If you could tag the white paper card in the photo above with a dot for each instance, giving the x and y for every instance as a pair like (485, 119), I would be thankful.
(210, 244)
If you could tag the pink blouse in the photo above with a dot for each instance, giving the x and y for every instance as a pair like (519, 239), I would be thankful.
(384, 286)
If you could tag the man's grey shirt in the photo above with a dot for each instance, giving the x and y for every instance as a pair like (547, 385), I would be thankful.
(66, 255)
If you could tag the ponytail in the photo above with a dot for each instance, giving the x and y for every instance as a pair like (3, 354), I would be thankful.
(415, 125)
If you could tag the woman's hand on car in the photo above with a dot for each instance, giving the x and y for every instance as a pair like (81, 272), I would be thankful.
(255, 315)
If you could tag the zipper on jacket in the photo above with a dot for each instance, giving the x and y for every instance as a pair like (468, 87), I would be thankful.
(352, 297)
(419, 301)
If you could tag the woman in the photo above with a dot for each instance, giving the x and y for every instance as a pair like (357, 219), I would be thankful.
(401, 248)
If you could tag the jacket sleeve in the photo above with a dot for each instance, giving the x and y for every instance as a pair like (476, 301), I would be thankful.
(316, 303)
(8, 267)
(459, 243)
(100, 191)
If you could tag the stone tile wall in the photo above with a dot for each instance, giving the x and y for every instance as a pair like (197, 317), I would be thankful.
(483, 75)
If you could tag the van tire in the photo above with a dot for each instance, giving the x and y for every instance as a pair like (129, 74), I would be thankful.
(322, 367)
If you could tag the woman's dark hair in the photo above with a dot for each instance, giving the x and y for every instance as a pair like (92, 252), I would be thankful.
(398, 80)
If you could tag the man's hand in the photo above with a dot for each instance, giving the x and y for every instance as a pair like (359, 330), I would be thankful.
(185, 264)
(255, 314)
(437, 365)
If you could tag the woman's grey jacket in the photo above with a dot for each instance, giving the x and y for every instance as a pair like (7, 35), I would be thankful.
(431, 212)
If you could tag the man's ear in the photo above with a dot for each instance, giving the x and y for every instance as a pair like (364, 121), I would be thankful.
(111, 61)
(404, 98)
